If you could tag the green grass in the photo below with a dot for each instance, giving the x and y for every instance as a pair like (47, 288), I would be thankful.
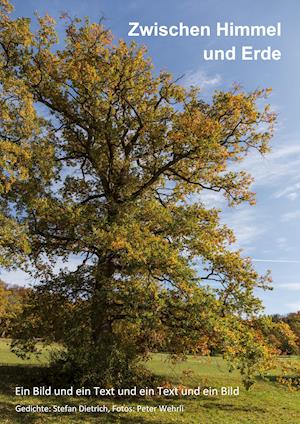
(9, 358)
(267, 403)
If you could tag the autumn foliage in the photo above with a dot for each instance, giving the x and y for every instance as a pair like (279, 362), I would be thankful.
(105, 161)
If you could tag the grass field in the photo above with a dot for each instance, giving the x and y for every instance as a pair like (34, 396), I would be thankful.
(267, 403)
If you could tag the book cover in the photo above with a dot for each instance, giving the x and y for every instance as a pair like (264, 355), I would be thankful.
(149, 212)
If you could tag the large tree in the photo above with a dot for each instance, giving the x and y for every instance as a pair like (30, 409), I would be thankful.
(116, 157)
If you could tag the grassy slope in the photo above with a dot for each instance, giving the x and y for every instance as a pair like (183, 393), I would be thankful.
(8, 358)
(267, 403)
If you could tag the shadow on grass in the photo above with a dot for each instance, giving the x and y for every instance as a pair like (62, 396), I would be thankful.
(232, 407)
(10, 377)
(20, 375)
(292, 381)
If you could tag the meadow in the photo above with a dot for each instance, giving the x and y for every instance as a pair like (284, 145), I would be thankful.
(268, 402)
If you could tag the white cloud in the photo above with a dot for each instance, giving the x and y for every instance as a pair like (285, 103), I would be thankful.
(247, 228)
(277, 261)
(243, 220)
(211, 199)
(292, 196)
(288, 286)
(201, 79)
(289, 149)
(293, 307)
(291, 192)
(272, 168)
(283, 244)
(290, 216)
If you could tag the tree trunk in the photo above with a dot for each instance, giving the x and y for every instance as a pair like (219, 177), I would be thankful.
(100, 319)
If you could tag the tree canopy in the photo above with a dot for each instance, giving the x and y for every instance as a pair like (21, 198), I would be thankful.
(104, 160)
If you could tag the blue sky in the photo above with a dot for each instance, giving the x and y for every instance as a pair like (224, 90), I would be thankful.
(270, 231)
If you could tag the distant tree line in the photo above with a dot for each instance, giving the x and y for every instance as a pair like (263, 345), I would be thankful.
(286, 325)
(12, 299)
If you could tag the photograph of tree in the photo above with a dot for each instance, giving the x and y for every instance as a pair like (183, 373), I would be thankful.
(149, 206)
